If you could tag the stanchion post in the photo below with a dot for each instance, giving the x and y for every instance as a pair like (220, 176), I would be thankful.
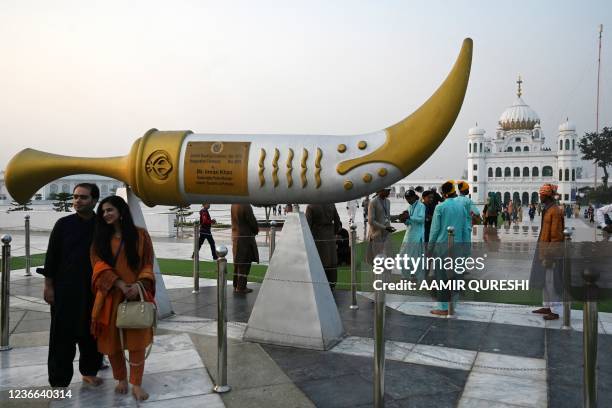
(272, 237)
(353, 243)
(4, 292)
(221, 380)
(196, 257)
(379, 344)
(451, 243)
(28, 262)
(567, 273)
(589, 338)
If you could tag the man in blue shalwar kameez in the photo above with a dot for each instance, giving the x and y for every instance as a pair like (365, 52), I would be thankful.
(414, 218)
(470, 207)
(450, 213)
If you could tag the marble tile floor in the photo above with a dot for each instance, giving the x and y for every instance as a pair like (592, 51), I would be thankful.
(175, 375)
(518, 315)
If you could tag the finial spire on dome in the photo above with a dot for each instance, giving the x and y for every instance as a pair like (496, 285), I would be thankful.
(519, 82)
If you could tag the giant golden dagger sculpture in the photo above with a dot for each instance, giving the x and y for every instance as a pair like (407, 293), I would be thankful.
(180, 167)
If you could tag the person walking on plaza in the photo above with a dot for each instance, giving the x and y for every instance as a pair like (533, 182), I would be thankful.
(532, 211)
(244, 246)
(365, 204)
(602, 216)
(591, 214)
(379, 223)
(324, 224)
(351, 207)
(122, 260)
(450, 213)
(470, 207)
(414, 218)
(67, 273)
(547, 268)
(492, 212)
(206, 223)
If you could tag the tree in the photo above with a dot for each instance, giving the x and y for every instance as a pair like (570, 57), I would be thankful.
(63, 202)
(598, 148)
(20, 207)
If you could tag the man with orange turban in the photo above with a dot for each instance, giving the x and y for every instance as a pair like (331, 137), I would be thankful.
(546, 264)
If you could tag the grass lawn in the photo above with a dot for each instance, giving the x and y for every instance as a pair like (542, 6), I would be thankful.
(208, 269)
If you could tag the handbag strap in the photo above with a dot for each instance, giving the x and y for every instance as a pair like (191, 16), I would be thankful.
(146, 354)
(140, 287)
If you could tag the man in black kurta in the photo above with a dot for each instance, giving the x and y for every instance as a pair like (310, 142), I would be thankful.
(67, 289)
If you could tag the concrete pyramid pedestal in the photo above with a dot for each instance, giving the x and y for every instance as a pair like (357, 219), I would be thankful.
(164, 307)
(295, 306)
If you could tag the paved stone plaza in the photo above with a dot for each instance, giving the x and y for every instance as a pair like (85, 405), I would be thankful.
(492, 355)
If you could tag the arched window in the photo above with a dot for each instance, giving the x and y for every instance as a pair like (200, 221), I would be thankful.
(566, 174)
(517, 172)
(525, 198)
(498, 172)
(65, 188)
(525, 171)
(469, 147)
(475, 147)
(480, 147)
(566, 144)
(490, 171)
(535, 172)
(517, 149)
(560, 144)
(573, 144)
(573, 174)
(547, 171)
(506, 197)
(509, 149)
(507, 172)
(526, 148)
(560, 175)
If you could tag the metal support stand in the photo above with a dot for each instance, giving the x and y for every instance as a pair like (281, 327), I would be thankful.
(221, 380)
(379, 344)
(567, 273)
(451, 242)
(196, 257)
(4, 292)
(589, 339)
(272, 237)
(353, 243)
(28, 261)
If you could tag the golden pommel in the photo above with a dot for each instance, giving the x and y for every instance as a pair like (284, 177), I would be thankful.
(149, 168)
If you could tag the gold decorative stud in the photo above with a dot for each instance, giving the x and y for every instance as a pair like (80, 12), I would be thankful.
(341, 148)
(362, 145)
(367, 177)
(348, 185)
(382, 172)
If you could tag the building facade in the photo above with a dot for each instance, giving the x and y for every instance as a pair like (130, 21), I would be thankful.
(515, 162)
(107, 186)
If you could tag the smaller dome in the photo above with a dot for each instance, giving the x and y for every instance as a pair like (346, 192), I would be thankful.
(567, 126)
(476, 131)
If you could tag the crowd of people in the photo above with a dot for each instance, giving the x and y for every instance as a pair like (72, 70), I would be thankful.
(96, 260)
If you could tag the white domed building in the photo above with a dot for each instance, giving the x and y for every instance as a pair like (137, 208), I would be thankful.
(515, 162)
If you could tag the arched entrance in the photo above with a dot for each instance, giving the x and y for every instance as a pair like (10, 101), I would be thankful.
(535, 198)
(525, 198)
(506, 197)
(516, 197)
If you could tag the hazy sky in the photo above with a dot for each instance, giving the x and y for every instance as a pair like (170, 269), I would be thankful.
(89, 77)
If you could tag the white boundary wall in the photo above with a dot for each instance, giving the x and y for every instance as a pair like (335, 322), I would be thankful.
(159, 224)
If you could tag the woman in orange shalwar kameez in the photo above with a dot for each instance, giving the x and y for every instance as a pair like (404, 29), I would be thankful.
(121, 256)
